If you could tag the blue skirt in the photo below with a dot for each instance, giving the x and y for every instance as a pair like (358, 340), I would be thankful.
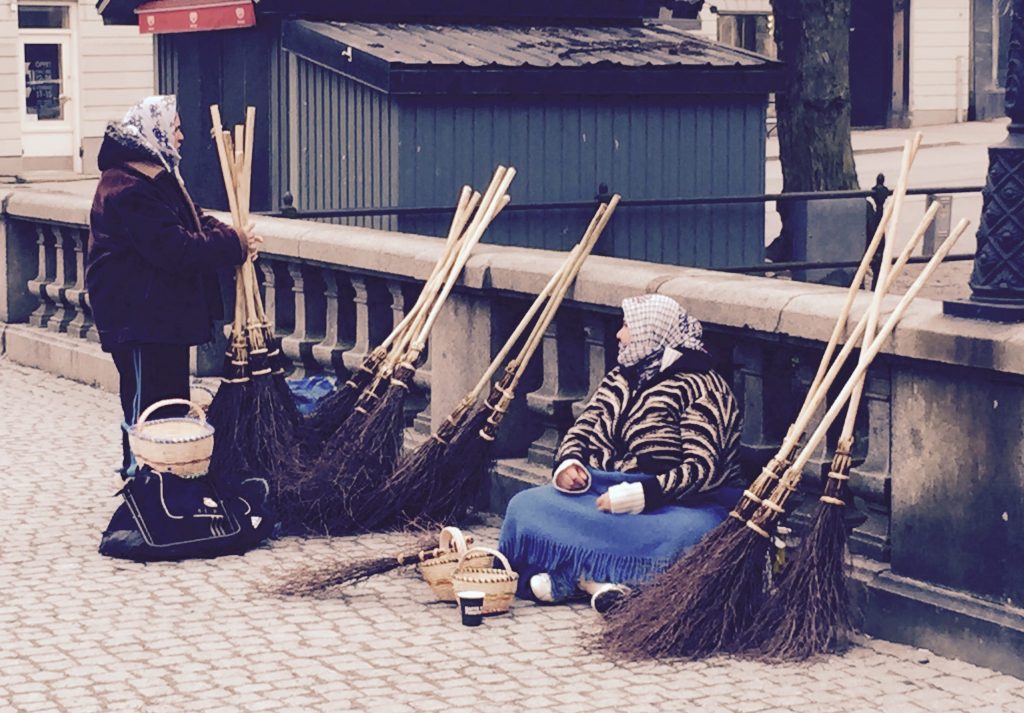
(566, 536)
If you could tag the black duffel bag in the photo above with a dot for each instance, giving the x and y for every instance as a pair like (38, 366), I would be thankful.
(165, 517)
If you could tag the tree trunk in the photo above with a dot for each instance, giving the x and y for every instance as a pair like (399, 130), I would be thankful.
(813, 107)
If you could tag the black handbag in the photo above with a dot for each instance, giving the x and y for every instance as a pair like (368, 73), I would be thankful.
(165, 517)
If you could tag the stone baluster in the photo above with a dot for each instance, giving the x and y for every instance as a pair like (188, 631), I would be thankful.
(749, 385)
(417, 405)
(821, 459)
(339, 323)
(872, 479)
(309, 318)
(47, 308)
(563, 384)
(92, 334)
(372, 323)
(82, 324)
(62, 280)
(595, 346)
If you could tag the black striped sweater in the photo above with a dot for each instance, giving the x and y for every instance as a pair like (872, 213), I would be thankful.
(683, 428)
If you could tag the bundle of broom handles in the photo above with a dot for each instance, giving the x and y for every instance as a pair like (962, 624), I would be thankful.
(504, 392)
(235, 151)
(407, 341)
(446, 475)
(763, 503)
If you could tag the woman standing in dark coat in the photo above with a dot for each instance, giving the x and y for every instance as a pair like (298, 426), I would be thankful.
(152, 260)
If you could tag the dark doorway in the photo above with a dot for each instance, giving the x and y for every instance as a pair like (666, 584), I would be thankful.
(871, 34)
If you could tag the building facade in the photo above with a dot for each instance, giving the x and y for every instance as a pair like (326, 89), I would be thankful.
(912, 62)
(63, 76)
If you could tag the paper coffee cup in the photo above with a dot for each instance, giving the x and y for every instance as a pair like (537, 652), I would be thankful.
(472, 606)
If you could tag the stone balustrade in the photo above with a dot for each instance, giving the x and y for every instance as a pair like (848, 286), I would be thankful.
(336, 291)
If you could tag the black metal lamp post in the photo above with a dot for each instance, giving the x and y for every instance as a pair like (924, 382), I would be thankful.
(997, 283)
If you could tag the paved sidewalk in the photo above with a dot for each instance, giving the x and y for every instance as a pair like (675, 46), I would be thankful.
(82, 633)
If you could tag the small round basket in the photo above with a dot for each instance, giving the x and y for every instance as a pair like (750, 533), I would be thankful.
(180, 446)
(497, 584)
(437, 569)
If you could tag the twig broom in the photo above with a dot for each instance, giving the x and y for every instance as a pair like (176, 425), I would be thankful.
(380, 440)
(332, 410)
(465, 461)
(699, 624)
(710, 600)
(409, 488)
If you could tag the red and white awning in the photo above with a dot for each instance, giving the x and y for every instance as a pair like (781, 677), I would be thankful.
(167, 16)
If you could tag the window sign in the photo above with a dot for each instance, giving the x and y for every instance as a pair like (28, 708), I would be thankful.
(37, 17)
(43, 88)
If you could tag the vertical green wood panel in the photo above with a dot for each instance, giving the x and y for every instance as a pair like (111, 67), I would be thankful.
(363, 148)
(349, 146)
(278, 148)
(757, 141)
(167, 65)
(702, 224)
(671, 175)
(640, 148)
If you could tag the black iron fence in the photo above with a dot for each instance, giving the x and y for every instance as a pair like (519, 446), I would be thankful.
(875, 199)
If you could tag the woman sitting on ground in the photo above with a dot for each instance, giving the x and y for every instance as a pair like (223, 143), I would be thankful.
(639, 478)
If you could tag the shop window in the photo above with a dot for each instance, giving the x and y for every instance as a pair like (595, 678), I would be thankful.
(43, 84)
(42, 17)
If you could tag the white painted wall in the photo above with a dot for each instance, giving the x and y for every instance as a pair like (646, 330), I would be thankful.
(940, 39)
(10, 118)
(114, 69)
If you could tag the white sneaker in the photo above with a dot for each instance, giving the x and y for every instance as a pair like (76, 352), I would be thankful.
(540, 585)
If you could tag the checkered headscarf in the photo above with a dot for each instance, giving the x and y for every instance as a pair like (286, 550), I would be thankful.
(656, 323)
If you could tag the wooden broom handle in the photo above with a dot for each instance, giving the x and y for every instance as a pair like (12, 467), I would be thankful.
(499, 359)
(494, 200)
(555, 302)
(850, 421)
(553, 286)
(844, 314)
(800, 425)
(888, 211)
(405, 340)
(402, 334)
(590, 237)
(225, 169)
(909, 151)
(418, 314)
(244, 189)
(587, 242)
(876, 346)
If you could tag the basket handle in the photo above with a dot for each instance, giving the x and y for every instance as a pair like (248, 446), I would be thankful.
(450, 536)
(193, 408)
(487, 550)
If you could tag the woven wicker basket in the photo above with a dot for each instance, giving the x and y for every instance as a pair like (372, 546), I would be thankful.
(497, 584)
(437, 571)
(180, 446)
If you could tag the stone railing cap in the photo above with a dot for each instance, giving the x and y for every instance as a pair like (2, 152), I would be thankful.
(771, 306)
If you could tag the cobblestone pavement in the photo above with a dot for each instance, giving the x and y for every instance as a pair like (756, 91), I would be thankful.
(79, 632)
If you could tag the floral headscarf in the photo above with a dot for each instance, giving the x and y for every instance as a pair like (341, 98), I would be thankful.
(149, 126)
(659, 330)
